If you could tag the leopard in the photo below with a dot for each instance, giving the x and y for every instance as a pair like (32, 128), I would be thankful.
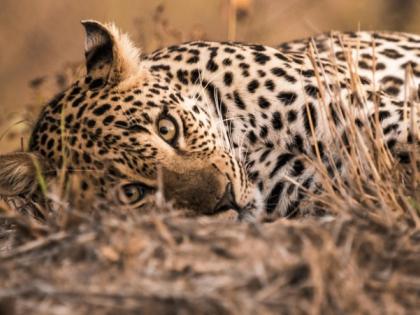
(215, 126)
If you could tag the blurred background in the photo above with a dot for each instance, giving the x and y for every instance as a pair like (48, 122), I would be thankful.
(42, 41)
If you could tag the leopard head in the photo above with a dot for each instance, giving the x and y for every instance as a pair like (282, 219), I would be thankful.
(128, 133)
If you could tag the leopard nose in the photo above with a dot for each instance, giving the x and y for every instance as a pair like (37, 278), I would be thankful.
(227, 201)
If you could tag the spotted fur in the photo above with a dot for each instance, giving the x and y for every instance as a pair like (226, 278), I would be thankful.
(245, 117)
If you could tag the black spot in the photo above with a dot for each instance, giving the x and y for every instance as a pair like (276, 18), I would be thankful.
(269, 84)
(297, 59)
(404, 157)
(238, 100)
(254, 175)
(77, 101)
(363, 65)
(129, 98)
(212, 66)
(291, 116)
(108, 120)
(307, 183)
(260, 58)
(84, 185)
(391, 143)
(96, 84)
(391, 53)
(44, 139)
(182, 76)
(195, 76)
(296, 144)
(282, 160)
(75, 90)
(358, 123)
(312, 91)
(227, 62)
(340, 56)
(263, 132)
(276, 121)
(229, 50)
(264, 155)
(257, 47)
(281, 57)
(279, 72)
(91, 123)
(251, 118)
(101, 109)
(72, 141)
(287, 98)
(228, 78)
(392, 90)
(335, 116)
(263, 103)
(121, 124)
(390, 128)
(50, 144)
(87, 158)
(69, 118)
(290, 78)
(274, 197)
(384, 115)
(297, 168)
(252, 137)
(380, 66)
(253, 85)
(195, 109)
(193, 59)
(308, 73)
(292, 209)
(365, 80)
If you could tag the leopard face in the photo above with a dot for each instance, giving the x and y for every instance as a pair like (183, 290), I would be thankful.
(128, 133)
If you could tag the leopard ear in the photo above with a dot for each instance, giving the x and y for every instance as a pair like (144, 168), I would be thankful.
(110, 55)
(21, 174)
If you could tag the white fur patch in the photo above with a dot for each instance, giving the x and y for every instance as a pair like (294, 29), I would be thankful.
(126, 54)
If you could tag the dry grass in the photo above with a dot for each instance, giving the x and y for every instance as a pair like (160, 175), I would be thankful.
(363, 260)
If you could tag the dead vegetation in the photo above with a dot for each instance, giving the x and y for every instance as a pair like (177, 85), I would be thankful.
(364, 259)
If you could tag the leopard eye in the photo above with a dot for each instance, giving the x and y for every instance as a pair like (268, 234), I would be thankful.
(132, 193)
(168, 129)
